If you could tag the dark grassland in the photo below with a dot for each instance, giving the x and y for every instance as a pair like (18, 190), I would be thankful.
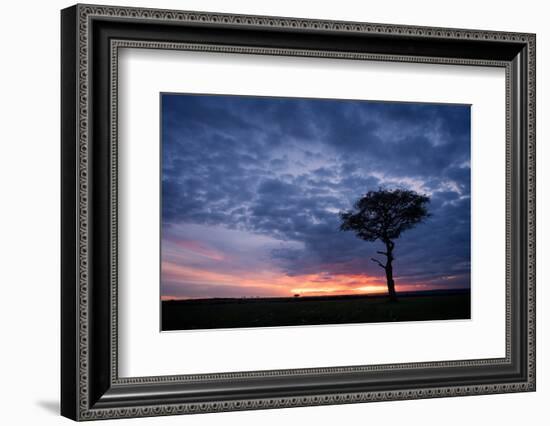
(287, 311)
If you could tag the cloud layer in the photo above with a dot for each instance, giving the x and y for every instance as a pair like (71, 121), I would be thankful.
(252, 187)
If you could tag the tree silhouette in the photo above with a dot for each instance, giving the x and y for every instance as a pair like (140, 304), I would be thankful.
(383, 215)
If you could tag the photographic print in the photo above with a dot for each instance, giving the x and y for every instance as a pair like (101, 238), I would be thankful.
(279, 211)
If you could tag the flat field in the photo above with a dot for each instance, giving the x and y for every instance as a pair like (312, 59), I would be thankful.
(288, 311)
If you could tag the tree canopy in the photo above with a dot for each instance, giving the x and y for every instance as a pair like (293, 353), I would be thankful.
(385, 214)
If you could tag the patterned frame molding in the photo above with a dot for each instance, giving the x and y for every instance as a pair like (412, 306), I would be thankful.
(91, 388)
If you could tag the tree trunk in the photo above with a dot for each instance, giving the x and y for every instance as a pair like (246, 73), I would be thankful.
(389, 271)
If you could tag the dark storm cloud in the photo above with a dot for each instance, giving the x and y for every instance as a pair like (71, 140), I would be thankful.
(286, 167)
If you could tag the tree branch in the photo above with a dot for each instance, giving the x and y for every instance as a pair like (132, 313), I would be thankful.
(382, 252)
(379, 263)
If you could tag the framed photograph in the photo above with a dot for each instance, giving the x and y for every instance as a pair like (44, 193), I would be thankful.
(263, 212)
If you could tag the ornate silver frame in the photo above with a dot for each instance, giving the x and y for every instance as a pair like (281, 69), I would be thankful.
(91, 387)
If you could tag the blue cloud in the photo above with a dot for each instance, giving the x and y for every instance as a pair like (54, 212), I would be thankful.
(284, 167)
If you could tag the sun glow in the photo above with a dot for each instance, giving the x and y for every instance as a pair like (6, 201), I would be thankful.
(275, 283)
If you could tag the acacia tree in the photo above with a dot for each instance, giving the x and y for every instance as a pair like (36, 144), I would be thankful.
(383, 215)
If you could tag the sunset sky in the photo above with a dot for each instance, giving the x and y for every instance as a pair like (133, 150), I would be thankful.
(252, 187)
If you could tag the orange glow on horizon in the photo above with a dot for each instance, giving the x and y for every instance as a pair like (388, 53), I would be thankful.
(280, 285)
